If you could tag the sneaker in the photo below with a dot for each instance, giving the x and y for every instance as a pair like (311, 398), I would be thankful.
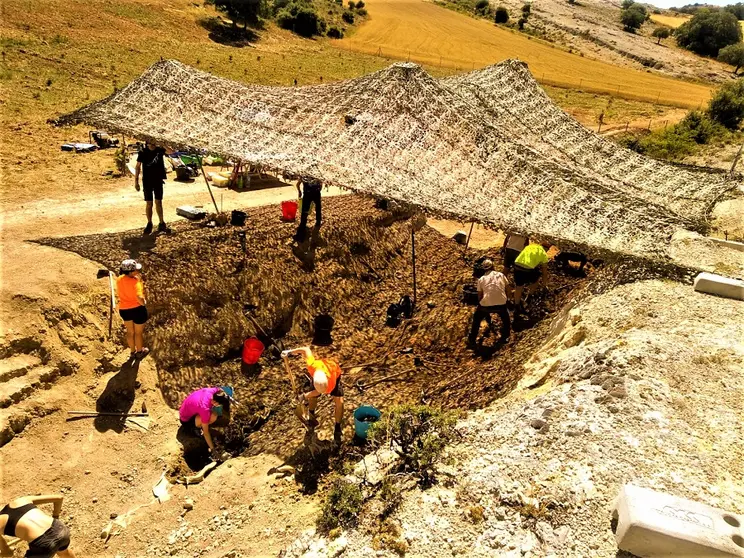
(139, 355)
(148, 229)
(162, 227)
(312, 422)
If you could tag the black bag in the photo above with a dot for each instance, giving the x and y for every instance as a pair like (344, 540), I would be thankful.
(393, 315)
(238, 218)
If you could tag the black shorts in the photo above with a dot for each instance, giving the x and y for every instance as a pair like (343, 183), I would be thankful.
(137, 315)
(524, 276)
(337, 391)
(510, 255)
(154, 189)
(54, 539)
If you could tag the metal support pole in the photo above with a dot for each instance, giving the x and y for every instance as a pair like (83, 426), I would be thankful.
(413, 259)
(467, 242)
(206, 181)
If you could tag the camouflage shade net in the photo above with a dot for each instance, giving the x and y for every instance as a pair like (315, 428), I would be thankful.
(446, 146)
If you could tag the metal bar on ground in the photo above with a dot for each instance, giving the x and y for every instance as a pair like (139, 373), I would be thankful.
(413, 259)
(106, 414)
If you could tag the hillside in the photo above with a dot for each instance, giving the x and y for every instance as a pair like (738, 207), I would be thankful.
(430, 34)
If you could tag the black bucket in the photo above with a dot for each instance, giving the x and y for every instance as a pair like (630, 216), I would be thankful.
(470, 295)
(323, 327)
(238, 218)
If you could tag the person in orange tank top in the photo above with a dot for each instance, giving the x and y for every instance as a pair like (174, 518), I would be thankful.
(132, 306)
(325, 375)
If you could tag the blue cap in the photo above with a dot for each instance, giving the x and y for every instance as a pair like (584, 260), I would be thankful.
(228, 390)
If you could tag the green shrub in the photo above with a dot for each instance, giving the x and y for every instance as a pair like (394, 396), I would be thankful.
(335, 33)
(732, 54)
(348, 17)
(302, 19)
(342, 506)
(391, 496)
(708, 32)
(362, 12)
(727, 105)
(633, 16)
(360, 5)
(482, 7)
(521, 23)
(700, 128)
(661, 33)
(418, 434)
(352, 4)
(502, 15)
(526, 10)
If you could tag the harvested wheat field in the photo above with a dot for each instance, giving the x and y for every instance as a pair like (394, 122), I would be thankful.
(198, 282)
(429, 34)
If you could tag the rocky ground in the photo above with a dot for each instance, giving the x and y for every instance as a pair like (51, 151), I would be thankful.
(642, 384)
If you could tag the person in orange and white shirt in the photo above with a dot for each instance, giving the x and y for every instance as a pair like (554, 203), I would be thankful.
(325, 375)
(132, 306)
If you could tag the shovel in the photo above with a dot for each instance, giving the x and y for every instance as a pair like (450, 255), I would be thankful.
(276, 346)
(100, 275)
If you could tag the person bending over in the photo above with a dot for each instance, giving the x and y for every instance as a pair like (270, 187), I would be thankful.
(46, 536)
(325, 375)
(202, 408)
(493, 290)
(530, 270)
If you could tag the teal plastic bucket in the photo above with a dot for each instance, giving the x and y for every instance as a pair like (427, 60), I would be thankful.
(360, 424)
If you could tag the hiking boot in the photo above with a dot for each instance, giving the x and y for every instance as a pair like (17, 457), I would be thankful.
(312, 422)
(148, 229)
(162, 227)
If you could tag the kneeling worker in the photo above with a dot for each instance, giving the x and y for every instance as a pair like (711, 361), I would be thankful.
(46, 536)
(530, 270)
(203, 407)
(325, 375)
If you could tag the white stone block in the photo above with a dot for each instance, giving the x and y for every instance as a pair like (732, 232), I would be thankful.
(652, 524)
(719, 285)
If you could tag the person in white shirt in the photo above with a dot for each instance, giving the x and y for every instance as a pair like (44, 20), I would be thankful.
(513, 245)
(493, 292)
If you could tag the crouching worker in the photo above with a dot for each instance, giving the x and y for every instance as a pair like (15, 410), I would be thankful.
(493, 292)
(46, 536)
(205, 407)
(325, 375)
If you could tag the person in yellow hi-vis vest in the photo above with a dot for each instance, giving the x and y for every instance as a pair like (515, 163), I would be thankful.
(530, 270)
(325, 375)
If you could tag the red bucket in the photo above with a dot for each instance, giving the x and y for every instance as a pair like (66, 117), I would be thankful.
(289, 210)
(252, 350)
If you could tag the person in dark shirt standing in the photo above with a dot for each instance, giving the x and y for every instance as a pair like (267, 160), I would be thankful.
(310, 195)
(151, 164)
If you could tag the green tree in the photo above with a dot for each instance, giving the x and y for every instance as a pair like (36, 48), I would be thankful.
(526, 10)
(246, 12)
(727, 105)
(302, 19)
(502, 15)
(627, 4)
(661, 33)
(732, 54)
(736, 9)
(633, 17)
(708, 32)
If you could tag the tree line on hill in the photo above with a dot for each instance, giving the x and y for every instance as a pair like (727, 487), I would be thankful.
(713, 33)
(300, 16)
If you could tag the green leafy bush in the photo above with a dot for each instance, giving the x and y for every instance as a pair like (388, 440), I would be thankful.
(502, 15)
(361, 11)
(526, 10)
(661, 33)
(708, 32)
(302, 19)
(521, 23)
(633, 16)
(348, 17)
(418, 434)
(732, 54)
(360, 5)
(342, 506)
(335, 33)
(482, 7)
(727, 105)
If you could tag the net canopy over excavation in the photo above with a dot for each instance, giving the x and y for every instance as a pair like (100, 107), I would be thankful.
(446, 146)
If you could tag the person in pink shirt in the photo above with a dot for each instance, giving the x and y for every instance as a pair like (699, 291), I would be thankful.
(203, 407)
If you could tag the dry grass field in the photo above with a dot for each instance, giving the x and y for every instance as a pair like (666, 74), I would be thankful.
(424, 32)
(668, 20)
